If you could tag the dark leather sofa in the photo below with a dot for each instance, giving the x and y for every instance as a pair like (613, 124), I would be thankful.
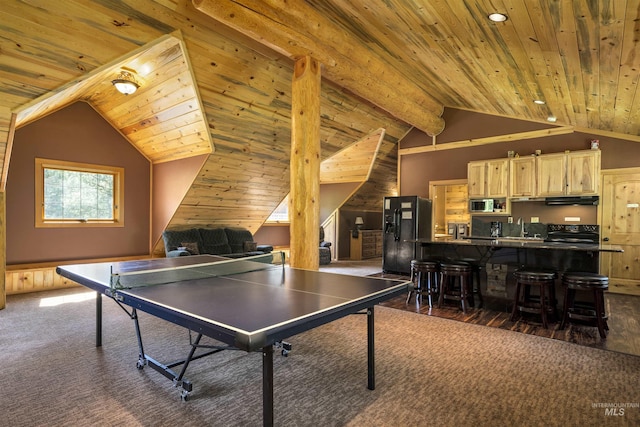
(228, 242)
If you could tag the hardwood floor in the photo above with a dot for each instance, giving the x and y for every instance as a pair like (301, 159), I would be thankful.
(623, 312)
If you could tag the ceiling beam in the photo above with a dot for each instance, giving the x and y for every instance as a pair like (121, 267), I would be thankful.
(295, 30)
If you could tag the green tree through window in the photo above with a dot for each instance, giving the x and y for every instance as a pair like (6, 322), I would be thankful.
(77, 195)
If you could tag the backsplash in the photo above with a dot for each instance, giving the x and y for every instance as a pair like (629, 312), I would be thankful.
(482, 228)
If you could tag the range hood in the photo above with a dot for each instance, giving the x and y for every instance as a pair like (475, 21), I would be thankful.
(572, 201)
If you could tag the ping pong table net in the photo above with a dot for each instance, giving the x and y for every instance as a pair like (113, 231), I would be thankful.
(159, 276)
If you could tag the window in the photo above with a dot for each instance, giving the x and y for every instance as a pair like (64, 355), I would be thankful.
(78, 195)
(281, 213)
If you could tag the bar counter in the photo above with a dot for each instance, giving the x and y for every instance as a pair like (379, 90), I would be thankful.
(521, 243)
(500, 257)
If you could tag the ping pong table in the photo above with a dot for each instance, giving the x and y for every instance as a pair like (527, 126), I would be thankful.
(250, 304)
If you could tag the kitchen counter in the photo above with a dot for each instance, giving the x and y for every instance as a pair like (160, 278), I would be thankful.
(522, 243)
(500, 257)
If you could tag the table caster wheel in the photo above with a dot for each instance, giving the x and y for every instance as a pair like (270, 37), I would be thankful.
(184, 395)
(140, 364)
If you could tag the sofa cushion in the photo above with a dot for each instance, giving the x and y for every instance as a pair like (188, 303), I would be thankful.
(173, 239)
(249, 246)
(214, 241)
(192, 247)
(237, 237)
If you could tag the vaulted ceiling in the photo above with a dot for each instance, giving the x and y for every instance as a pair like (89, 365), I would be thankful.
(391, 65)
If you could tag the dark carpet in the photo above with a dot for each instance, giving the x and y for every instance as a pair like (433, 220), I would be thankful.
(430, 372)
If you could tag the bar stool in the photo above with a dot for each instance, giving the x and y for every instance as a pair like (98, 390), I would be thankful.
(594, 313)
(475, 285)
(455, 278)
(523, 301)
(424, 277)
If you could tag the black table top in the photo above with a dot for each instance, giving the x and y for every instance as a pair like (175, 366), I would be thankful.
(248, 310)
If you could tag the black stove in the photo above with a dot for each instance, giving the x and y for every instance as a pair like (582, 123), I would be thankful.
(573, 233)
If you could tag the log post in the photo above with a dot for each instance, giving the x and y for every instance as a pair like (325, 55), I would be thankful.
(304, 208)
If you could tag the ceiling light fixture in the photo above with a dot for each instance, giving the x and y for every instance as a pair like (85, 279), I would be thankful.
(538, 101)
(551, 119)
(498, 17)
(125, 83)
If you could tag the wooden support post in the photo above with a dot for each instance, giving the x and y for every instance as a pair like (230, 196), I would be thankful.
(304, 208)
(3, 252)
(7, 130)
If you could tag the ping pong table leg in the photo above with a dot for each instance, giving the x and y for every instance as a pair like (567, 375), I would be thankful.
(98, 319)
(371, 368)
(267, 385)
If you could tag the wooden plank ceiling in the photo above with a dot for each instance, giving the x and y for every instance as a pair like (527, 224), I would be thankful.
(404, 59)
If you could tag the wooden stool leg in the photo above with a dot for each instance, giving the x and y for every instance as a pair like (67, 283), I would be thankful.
(543, 305)
(599, 302)
(414, 284)
(565, 308)
(479, 288)
(463, 292)
(442, 290)
(516, 302)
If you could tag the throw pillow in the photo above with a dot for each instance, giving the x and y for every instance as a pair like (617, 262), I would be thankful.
(192, 247)
(250, 246)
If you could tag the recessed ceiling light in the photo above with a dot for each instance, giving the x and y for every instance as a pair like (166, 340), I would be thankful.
(551, 119)
(498, 17)
(538, 101)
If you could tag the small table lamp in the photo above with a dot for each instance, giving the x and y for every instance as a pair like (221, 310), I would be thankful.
(359, 222)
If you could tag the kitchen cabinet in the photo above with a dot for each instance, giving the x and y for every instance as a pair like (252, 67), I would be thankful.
(583, 173)
(488, 178)
(476, 179)
(522, 177)
(568, 174)
(551, 172)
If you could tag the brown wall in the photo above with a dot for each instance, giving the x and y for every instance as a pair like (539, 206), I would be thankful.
(171, 181)
(76, 133)
(417, 170)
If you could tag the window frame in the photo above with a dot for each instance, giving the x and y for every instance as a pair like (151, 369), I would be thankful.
(118, 194)
(285, 204)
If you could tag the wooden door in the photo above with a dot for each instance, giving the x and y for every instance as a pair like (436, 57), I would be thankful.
(522, 179)
(552, 174)
(497, 178)
(620, 225)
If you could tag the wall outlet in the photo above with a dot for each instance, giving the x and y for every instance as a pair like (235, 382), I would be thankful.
(535, 219)
(510, 220)
(572, 219)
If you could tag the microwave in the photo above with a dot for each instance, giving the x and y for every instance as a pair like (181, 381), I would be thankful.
(481, 205)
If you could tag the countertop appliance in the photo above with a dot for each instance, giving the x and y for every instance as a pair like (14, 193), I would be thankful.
(458, 230)
(496, 229)
(404, 218)
(481, 205)
(573, 233)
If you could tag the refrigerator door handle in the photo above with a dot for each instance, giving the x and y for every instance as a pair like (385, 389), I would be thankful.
(396, 223)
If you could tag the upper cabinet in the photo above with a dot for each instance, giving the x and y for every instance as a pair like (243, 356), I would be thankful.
(476, 179)
(488, 178)
(569, 174)
(552, 176)
(583, 172)
(575, 173)
(522, 181)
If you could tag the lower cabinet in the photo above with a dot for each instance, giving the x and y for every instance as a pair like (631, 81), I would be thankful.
(367, 244)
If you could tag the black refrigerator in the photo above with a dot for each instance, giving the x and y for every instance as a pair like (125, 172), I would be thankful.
(404, 218)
